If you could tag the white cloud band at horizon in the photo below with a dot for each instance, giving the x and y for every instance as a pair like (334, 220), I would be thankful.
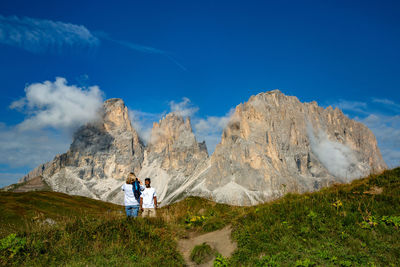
(55, 109)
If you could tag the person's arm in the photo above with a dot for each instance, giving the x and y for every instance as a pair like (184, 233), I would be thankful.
(155, 199)
(142, 187)
(155, 202)
(141, 203)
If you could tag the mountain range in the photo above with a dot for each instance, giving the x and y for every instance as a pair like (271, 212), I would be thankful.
(272, 144)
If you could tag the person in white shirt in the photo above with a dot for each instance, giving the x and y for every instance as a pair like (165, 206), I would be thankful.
(131, 203)
(148, 200)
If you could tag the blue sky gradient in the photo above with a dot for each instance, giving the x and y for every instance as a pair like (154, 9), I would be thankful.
(214, 53)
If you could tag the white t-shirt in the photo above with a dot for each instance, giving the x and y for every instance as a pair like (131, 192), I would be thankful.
(130, 199)
(147, 195)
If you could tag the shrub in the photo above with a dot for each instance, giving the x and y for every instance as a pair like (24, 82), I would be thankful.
(220, 261)
(201, 253)
(11, 246)
(391, 220)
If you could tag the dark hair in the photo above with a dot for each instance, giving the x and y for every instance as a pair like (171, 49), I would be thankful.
(147, 179)
(132, 173)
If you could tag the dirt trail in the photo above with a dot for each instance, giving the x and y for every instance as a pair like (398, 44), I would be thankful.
(219, 240)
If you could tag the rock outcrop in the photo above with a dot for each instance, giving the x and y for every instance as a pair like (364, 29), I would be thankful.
(272, 145)
(275, 144)
(99, 159)
(172, 157)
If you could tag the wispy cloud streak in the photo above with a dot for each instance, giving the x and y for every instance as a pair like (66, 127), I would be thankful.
(41, 35)
(142, 48)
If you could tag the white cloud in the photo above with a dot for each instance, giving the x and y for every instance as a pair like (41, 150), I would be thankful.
(142, 122)
(58, 105)
(210, 129)
(391, 156)
(184, 108)
(387, 103)
(381, 115)
(383, 101)
(337, 158)
(54, 110)
(39, 35)
(353, 106)
(387, 131)
(29, 149)
(42, 35)
(142, 48)
(7, 178)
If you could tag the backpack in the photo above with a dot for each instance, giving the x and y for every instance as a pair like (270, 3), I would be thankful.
(136, 190)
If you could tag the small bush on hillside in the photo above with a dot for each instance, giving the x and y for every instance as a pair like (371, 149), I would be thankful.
(220, 261)
(201, 253)
(392, 220)
(11, 245)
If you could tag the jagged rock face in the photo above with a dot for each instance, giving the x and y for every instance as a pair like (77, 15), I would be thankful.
(115, 145)
(99, 159)
(274, 144)
(172, 157)
(173, 141)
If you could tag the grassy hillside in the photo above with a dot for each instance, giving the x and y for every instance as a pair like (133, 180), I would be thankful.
(86, 232)
(24, 211)
(346, 225)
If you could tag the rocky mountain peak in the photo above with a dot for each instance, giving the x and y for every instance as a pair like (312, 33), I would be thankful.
(100, 157)
(172, 157)
(272, 145)
(173, 132)
(115, 115)
(275, 144)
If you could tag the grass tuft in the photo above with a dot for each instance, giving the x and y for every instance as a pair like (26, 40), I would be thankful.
(202, 253)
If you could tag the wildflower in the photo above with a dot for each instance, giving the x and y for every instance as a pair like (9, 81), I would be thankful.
(337, 204)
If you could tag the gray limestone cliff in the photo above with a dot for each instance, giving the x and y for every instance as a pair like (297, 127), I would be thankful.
(172, 157)
(99, 159)
(272, 145)
(275, 144)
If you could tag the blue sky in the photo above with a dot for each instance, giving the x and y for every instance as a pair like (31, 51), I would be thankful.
(201, 57)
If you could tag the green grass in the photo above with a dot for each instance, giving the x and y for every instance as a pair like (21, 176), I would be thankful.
(344, 225)
(22, 211)
(95, 242)
(195, 214)
(201, 253)
(87, 233)
(340, 225)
